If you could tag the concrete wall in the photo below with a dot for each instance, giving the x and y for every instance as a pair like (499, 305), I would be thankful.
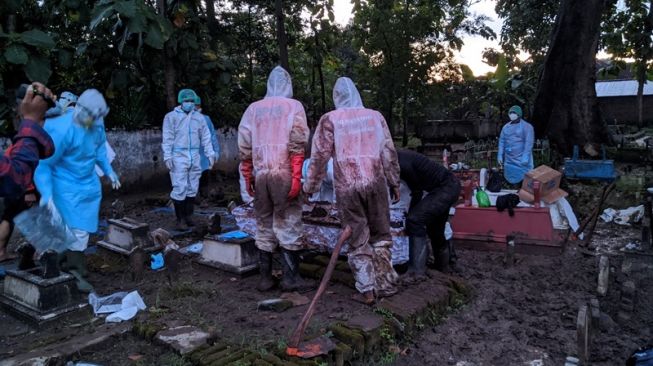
(139, 157)
(624, 109)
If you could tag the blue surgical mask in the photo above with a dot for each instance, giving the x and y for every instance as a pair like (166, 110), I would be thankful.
(513, 116)
(187, 106)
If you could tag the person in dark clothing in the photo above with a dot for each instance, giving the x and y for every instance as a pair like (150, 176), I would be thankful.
(434, 189)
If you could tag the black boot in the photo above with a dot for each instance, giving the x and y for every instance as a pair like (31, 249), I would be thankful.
(441, 258)
(418, 255)
(291, 280)
(180, 213)
(190, 210)
(74, 262)
(266, 282)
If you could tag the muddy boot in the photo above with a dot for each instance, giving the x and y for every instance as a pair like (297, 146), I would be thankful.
(417, 254)
(180, 213)
(266, 283)
(366, 298)
(291, 280)
(75, 264)
(441, 259)
(190, 210)
(26, 252)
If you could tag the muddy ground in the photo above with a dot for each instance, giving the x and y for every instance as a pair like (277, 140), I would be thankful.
(517, 315)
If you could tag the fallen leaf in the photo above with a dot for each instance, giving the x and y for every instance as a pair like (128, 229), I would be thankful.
(394, 349)
(272, 317)
(135, 357)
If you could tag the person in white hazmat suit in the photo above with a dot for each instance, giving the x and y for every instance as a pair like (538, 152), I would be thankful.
(185, 133)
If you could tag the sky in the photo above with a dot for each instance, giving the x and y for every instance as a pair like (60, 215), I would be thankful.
(470, 54)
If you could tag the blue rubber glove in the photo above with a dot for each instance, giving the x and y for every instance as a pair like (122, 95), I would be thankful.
(115, 182)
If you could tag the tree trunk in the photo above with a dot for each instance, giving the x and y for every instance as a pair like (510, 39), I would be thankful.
(404, 112)
(566, 109)
(281, 35)
(169, 67)
(250, 49)
(643, 65)
(212, 22)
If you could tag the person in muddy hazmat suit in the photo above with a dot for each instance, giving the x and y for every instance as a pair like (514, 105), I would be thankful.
(433, 190)
(365, 165)
(68, 178)
(272, 137)
(516, 147)
(185, 133)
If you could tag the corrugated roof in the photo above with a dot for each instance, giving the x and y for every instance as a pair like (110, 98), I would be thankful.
(621, 88)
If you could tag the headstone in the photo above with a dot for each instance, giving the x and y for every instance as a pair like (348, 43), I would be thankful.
(40, 300)
(583, 334)
(124, 235)
(572, 361)
(238, 256)
(604, 273)
(627, 304)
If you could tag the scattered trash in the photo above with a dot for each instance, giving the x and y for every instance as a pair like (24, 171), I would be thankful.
(161, 237)
(277, 305)
(295, 298)
(233, 235)
(632, 246)
(135, 357)
(121, 305)
(193, 248)
(81, 363)
(625, 217)
(157, 261)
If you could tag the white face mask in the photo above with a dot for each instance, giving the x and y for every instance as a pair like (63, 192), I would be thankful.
(513, 116)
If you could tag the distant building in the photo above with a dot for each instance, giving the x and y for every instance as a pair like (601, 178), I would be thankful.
(618, 101)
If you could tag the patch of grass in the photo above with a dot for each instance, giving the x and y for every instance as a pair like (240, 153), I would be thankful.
(172, 359)
(184, 289)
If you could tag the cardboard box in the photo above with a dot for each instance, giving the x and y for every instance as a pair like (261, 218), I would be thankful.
(549, 180)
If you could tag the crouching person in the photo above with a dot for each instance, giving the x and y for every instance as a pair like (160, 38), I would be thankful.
(433, 190)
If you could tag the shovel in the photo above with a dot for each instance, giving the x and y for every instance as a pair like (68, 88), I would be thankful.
(318, 346)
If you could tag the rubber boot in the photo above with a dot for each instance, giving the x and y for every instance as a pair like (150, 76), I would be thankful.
(180, 213)
(441, 258)
(417, 254)
(291, 280)
(76, 266)
(190, 210)
(266, 282)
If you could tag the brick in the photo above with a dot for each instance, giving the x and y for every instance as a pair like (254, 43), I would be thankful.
(309, 270)
(343, 266)
(345, 278)
(235, 356)
(261, 362)
(321, 260)
(351, 337)
(370, 325)
(343, 353)
(272, 359)
(184, 339)
(217, 356)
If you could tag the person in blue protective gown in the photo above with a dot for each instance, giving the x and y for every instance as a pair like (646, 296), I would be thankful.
(68, 178)
(204, 160)
(516, 147)
(185, 133)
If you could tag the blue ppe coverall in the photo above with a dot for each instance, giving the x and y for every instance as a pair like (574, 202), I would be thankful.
(516, 150)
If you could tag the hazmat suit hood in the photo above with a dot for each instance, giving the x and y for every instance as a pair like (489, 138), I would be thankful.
(345, 94)
(279, 83)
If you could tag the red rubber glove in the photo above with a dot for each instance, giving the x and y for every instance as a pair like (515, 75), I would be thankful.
(247, 168)
(296, 162)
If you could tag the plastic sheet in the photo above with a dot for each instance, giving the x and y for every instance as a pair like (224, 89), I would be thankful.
(44, 228)
(325, 237)
(121, 306)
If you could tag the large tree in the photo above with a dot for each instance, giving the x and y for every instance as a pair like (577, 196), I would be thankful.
(565, 108)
